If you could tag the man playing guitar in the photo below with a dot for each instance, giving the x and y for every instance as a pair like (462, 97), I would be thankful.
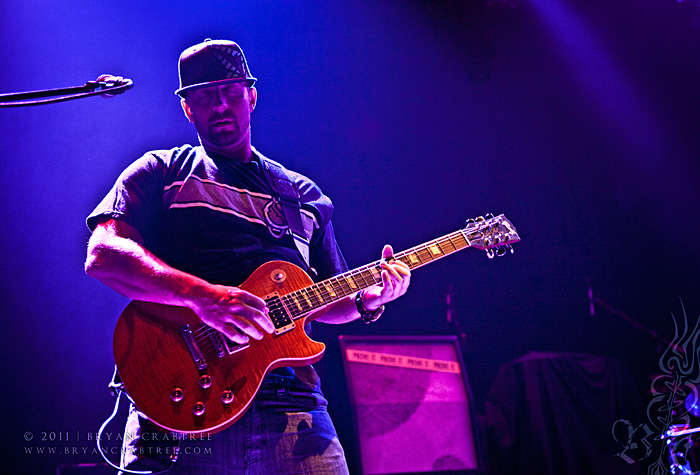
(186, 227)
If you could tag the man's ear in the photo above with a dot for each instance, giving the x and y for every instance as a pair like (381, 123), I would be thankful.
(253, 97)
(186, 109)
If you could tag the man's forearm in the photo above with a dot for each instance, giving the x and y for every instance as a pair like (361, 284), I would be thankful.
(117, 258)
(133, 271)
(342, 311)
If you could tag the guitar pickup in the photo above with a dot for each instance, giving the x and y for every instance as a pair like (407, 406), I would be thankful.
(279, 315)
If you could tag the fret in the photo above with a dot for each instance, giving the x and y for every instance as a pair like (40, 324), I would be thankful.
(299, 307)
(458, 245)
(304, 293)
(351, 282)
(305, 302)
(413, 259)
(286, 300)
(329, 288)
(462, 241)
(338, 286)
(359, 279)
(296, 302)
(323, 294)
(375, 273)
(425, 256)
(366, 278)
(447, 246)
(316, 297)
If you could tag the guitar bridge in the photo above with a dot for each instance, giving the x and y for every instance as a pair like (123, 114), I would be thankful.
(195, 352)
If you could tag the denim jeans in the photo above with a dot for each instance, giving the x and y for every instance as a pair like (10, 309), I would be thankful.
(287, 430)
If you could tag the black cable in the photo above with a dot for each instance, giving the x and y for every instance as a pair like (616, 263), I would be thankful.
(98, 439)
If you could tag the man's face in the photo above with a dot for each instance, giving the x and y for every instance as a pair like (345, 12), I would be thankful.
(221, 115)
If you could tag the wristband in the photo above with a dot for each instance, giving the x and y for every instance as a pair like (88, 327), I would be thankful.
(367, 315)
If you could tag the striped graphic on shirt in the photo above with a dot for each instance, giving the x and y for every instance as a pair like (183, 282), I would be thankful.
(258, 208)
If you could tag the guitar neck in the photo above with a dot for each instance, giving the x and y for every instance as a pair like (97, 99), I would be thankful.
(314, 297)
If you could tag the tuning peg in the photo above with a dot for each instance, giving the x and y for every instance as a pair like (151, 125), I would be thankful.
(488, 215)
(469, 222)
(479, 219)
(512, 251)
(490, 254)
(501, 251)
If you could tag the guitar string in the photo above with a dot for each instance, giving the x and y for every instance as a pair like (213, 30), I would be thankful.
(206, 330)
(303, 301)
(202, 329)
(327, 291)
(368, 274)
(319, 294)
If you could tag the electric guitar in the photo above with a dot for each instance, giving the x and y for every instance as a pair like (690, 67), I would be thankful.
(189, 378)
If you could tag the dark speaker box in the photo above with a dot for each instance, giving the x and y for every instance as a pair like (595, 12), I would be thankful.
(412, 405)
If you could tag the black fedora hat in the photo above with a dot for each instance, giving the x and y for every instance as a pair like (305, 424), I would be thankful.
(212, 63)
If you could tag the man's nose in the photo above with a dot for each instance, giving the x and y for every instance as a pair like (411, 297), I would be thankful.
(220, 103)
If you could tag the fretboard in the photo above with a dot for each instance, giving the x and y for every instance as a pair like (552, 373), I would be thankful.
(314, 297)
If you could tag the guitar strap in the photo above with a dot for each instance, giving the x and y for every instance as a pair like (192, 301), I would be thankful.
(288, 193)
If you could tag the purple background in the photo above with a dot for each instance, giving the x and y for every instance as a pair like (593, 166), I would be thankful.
(577, 119)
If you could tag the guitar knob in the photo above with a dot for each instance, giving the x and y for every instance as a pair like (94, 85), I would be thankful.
(198, 409)
(176, 395)
(205, 381)
(227, 397)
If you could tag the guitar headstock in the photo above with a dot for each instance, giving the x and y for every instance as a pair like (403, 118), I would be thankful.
(493, 234)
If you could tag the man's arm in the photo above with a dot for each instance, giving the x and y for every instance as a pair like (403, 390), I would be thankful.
(396, 277)
(117, 257)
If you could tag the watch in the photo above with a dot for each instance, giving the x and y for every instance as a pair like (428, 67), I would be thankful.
(368, 316)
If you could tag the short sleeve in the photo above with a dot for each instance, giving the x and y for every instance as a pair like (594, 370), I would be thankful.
(325, 254)
(136, 197)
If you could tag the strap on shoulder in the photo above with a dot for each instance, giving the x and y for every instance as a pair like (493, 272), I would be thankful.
(288, 193)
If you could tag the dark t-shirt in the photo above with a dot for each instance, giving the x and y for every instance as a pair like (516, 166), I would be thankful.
(219, 220)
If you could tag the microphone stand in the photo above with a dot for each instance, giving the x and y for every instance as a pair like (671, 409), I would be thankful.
(452, 318)
(109, 87)
(593, 299)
